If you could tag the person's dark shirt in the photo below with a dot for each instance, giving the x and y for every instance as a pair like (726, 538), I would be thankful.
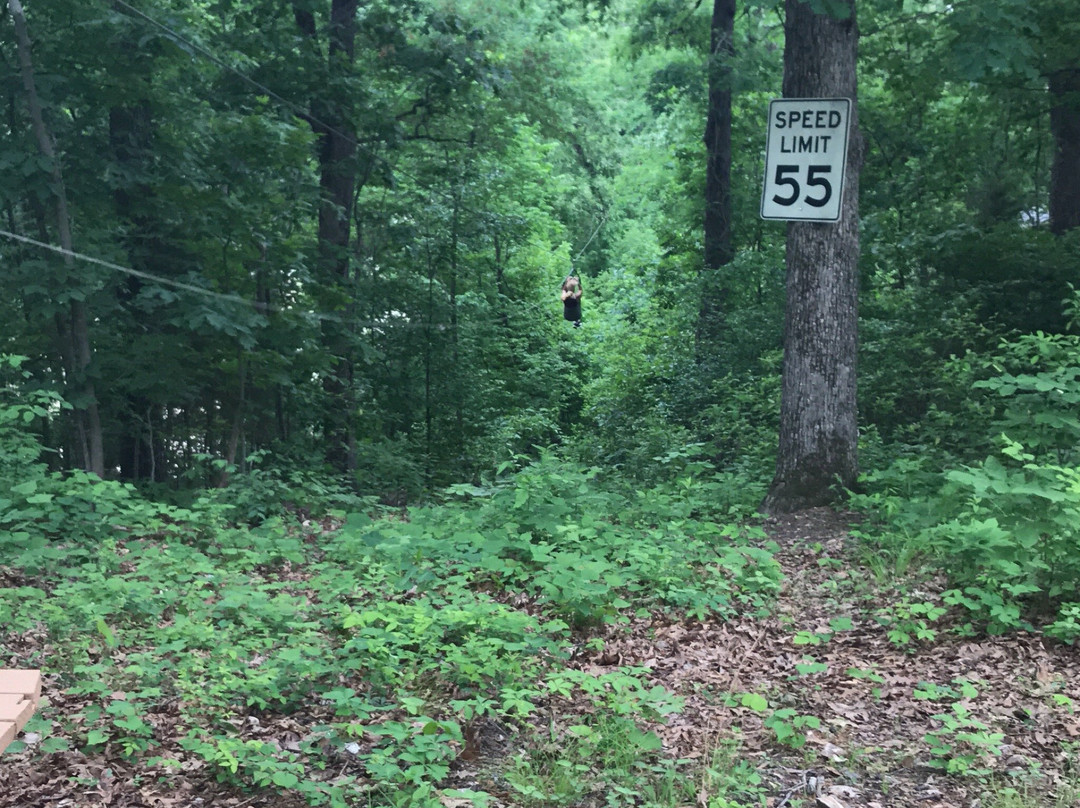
(572, 309)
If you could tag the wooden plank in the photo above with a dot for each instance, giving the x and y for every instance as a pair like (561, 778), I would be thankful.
(16, 709)
(26, 683)
(7, 734)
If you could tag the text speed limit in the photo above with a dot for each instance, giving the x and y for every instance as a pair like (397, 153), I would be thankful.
(805, 156)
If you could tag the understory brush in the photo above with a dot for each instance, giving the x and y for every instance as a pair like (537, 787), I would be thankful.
(1006, 529)
(356, 666)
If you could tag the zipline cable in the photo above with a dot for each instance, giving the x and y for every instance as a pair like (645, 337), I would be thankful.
(603, 218)
(302, 113)
(262, 308)
(299, 110)
(137, 273)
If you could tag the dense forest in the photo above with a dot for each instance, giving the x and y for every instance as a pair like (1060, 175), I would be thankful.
(310, 493)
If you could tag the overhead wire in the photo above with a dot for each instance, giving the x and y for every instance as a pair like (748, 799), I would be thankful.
(202, 290)
(603, 219)
(262, 308)
(303, 113)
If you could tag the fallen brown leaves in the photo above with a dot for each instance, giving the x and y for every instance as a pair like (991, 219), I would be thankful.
(870, 744)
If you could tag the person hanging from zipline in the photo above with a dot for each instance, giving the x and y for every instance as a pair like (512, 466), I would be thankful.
(571, 300)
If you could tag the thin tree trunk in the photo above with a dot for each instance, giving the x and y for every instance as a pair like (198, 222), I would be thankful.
(67, 361)
(500, 282)
(718, 238)
(818, 417)
(94, 459)
(1065, 170)
(237, 422)
(459, 411)
(429, 415)
(131, 142)
(150, 441)
(718, 242)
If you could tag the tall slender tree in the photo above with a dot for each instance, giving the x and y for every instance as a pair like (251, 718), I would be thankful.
(718, 242)
(338, 172)
(1065, 168)
(818, 417)
(718, 239)
(74, 335)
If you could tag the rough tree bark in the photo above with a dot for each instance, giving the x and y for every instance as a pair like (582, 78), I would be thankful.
(1065, 169)
(718, 243)
(337, 180)
(81, 350)
(818, 418)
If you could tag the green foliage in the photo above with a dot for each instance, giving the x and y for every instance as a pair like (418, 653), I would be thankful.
(787, 725)
(388, 467)
(497, 146)
(602, 755)
(256, 494)
(606, 752)
(908, 622)
(961, 743)
(389, 638)
(588, 553)
(20, 409)
(1027, 796)
(236, 330)
(1005, 528)
(1012, 278)
(729, 782)
(1067, 625)
(57, 518)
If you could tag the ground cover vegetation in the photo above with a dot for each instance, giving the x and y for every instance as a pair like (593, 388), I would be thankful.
(309, 496)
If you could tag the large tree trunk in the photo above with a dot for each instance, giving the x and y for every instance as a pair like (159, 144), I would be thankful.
(82, 352)
(337, 179)
(1065, 170)
(719, 247)
(818, 418)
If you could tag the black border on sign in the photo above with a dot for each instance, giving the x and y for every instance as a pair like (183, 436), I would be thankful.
(843, 163)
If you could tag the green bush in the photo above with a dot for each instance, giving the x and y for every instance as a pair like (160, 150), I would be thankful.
(552, 530)
(391, 636)
(1006, 528)
(20, 409)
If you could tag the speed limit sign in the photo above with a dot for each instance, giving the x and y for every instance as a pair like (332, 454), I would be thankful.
(805, 156)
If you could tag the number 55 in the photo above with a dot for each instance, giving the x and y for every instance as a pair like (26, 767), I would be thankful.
(813, 180)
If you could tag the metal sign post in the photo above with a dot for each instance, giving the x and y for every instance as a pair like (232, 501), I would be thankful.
(805, 156)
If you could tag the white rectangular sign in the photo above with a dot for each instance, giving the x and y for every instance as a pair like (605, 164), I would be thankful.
(805, 157)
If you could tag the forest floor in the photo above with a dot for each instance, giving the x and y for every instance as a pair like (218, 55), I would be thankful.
(876, 700)
(815, 699)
